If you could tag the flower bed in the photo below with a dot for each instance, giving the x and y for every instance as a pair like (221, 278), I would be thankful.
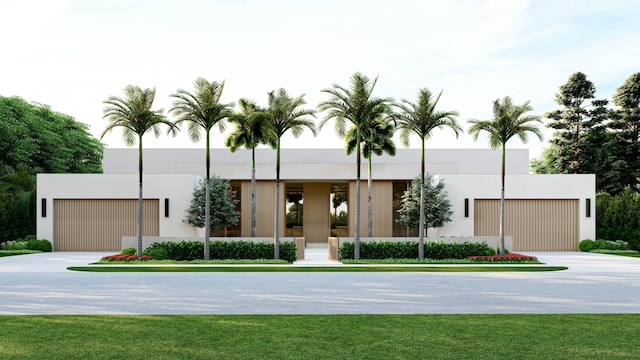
(126, 257)
(511, 257)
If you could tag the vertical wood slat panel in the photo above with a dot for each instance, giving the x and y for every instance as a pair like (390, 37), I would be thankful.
(245, 208)
(536, 225)
(382, 208)
(99, 224)
(316, 212)
(265, 207)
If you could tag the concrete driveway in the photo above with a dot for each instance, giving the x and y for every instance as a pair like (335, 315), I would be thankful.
(594, 283)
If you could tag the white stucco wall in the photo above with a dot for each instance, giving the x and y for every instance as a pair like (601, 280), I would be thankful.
(177, 188)
(460, 187)
(314, 164)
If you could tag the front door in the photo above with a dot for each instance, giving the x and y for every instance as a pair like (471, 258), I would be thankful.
(316, 212)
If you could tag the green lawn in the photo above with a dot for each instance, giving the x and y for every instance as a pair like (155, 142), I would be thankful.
(283, 268)
(321, 337)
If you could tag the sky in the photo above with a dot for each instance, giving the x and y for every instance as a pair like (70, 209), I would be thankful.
(72, 55)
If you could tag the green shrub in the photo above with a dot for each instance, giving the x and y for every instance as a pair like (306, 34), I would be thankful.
(129, 251)
(159, 253)
(220, 250)
(30, 237)
(586, 245)
(600, 244)
(39, 245)
(624, 233)
(409, 250)
(16, 245)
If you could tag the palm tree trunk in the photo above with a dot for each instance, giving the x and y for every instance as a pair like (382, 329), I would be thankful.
(253, 192)
(356, 242)
(369, 201)
(207, 204)
(276, 237)
(140, 199)
(502, 204)
(421, 227)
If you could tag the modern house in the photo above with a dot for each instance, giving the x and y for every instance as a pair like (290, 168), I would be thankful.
(92, 212)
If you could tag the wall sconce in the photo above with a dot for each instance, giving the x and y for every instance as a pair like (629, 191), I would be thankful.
(466, 208)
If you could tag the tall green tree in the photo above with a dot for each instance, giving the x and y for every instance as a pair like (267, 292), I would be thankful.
(356, 106)
(17, 203)
(421, 118)
(377, 139)
(509, 120)
(285, 113)
(134, 115)
(438, 208)
(574, 122)
(45, 141)
(626, 124)
(202, 110)
(221, 202)
(250, 131)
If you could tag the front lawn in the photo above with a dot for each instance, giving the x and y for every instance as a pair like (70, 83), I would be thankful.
(320, 337)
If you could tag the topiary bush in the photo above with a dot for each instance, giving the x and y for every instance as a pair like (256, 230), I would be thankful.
(39, 245)
(129, 251)
(600, 244)
(586, 245)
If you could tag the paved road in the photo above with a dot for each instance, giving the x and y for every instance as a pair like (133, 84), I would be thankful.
(594, 283)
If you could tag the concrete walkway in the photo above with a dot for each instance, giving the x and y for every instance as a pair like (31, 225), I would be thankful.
(594, 283)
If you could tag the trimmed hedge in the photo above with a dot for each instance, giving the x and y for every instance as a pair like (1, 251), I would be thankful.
(31, 244)
(436, 250)
(220, 250)
(587, 245)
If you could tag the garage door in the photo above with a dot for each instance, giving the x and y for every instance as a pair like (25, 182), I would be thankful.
(535, 225)
(99, 224)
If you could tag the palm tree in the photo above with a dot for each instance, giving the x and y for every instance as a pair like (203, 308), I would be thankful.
(284, 114)
(250, 132)
(133, 113)
(421, 119)
(202, 109)
(356, 106)
(376, 138)
(508, 120)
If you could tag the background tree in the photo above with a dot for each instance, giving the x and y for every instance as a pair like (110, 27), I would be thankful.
(421, 119)
(35, 139)
(17, 203)
(250, 131)
(356, 106)
(134, 115)
(376, 138)
(574, 124)
(202, 110)
(438, 208)
(337, 200)
(222, 205)
(509, 120)
(45, 141)
(626, 125)
(285, 114)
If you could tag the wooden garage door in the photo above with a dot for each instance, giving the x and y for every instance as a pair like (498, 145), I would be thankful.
(99, 224)
(535, 225)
